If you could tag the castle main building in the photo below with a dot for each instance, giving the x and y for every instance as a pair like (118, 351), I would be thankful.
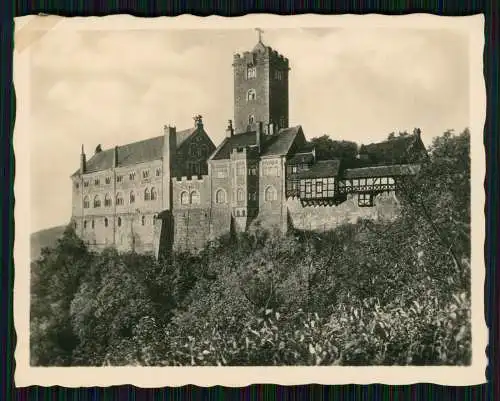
(179, 190)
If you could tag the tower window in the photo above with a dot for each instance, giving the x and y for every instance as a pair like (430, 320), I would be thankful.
(270, 194)
(282, 122)
(278, 75)
(251, 94)
(251, 119)
(240, 195)
(251, 72)
(195, 197)
(184, 198)
(220, 196)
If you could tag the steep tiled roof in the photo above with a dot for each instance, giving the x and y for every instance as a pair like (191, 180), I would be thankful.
(272, 145)
(391, 151)
(236, 141)
(382, 171)
(279, 144)
(323, 168)
(133, 153)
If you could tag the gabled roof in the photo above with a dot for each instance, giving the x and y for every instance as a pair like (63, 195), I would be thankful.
(272, 145)
(279, 144)
(391, 151)
(382, 171)
(322, 169)
(133, 153)
(236, 141)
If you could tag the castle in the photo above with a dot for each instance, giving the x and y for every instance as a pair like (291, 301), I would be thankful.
(179, 190)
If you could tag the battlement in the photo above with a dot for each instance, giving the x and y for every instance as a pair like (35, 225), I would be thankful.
(193, 178)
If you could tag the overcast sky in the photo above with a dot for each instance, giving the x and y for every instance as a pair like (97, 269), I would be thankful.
(115, 87)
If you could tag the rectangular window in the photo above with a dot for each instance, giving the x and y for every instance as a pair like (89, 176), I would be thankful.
(96, 181)
(108, 180)
(158, 172)
(119, 178)
(145, 174)
(319, 188)
(294, 169)
(278, 75)
(131, 176)
(365, 200)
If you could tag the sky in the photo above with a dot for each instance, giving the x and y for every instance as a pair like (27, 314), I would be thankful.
(116, 87)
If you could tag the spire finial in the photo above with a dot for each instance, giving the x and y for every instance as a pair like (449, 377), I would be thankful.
(260, 32)
(83, 151)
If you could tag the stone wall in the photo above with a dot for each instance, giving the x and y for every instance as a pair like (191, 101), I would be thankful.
(321, 218)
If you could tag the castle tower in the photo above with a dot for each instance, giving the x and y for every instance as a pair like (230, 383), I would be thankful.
(260, 89)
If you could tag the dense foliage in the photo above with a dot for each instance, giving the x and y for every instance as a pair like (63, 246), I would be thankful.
(365, 293)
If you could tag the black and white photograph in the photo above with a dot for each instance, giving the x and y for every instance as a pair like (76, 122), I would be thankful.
(262, 192)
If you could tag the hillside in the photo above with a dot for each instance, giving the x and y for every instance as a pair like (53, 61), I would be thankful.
(44, 238)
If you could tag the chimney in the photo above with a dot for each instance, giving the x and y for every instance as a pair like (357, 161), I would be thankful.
(229, 129)
(258, 134)
(115, 157)
(83, 162)
(169, 153)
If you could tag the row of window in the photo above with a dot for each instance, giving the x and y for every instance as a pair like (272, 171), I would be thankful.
(251, 120)
(367, 181)
(223, 172)
(118, 222)
(252, 73)
(149, 194)
(119, 178)
(193, 198)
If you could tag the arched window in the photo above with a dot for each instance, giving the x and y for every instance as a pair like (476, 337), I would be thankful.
(105, 222)
(158, 172)
(119, 221)
(93, 224)
(184, 198)
(270, 194)
(147, 196)
(143, 220)
(107, 200)
(220, 196)
(251, 94)
(240, 195)
(153, 194)
(237, 213)
(194, 198)
(132, 197)
(251, 119)
(119, 199)
(84, 223)
(243, 213)
(86, 202)
(97, 201)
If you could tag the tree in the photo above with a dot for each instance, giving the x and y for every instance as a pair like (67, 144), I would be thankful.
(327, 148)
